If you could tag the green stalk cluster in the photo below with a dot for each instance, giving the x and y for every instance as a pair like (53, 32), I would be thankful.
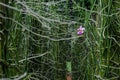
(41, 41)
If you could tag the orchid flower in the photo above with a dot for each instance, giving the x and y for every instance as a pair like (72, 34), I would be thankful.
(80, 30)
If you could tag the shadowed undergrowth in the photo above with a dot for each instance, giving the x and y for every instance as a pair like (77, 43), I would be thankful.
(42, 36)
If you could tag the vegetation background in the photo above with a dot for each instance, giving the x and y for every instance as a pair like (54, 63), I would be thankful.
(38, 38)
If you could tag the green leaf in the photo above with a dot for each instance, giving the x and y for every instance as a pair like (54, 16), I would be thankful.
(68, 66)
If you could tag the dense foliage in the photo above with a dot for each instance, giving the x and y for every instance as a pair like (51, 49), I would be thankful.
(39, 37)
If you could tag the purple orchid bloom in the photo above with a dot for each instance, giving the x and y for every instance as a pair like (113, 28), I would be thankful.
(80, 30)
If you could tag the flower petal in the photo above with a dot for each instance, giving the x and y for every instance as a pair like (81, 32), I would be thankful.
(80, 30)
